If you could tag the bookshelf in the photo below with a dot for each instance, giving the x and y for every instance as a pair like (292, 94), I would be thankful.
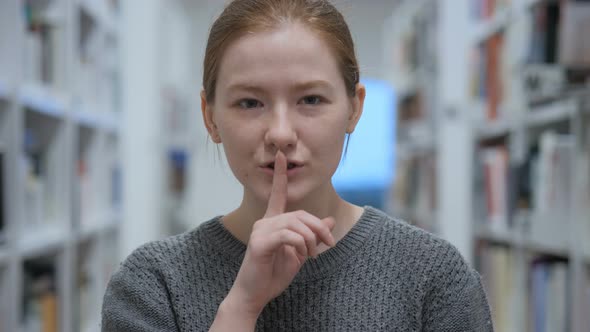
(412, 50)
(516, 120)
(60, 162)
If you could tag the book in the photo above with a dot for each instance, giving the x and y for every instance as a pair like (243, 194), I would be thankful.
(552, 190)
(492, 187)
(35, 189)
(3, 216)
(40, 302)
(85, 194)
(544, 39)
(116, 187)
(489, 75)
(539, 277)
(86, 302)
(586, 297)
(34, 165)
(549, 296)
(575, 23)
(44, 40)
(541, 186)
(414, 191)
(497, 266)
(494, 79)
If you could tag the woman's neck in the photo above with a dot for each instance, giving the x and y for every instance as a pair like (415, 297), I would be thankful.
(240, 221)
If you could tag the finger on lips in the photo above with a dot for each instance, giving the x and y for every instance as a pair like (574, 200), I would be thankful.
(300, 229)
(277, 201)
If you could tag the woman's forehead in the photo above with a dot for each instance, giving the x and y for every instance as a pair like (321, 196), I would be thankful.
(291, 53)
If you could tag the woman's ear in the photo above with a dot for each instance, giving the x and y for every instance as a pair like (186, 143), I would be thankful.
(358, 102)
(208, 119)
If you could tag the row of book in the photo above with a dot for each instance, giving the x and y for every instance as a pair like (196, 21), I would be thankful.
(97, 79)
(414, 191)
(526, 293)
(42, 190)
(40, 296)
(415, 119)
(550, 39)
(542, 185)
(177, 132)
(557, 26)
(413, 195)
(86, 280)
(95, 195)
(96, 75)
(420, 47)
(44, 42)
(38, 163)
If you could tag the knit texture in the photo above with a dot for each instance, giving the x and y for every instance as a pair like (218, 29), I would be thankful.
(384, 275)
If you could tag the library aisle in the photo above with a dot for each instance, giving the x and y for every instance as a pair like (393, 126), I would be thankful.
(102, 148)
(494, 147)
(59, 163)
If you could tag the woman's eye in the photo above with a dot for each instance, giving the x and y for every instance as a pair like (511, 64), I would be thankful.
(312, 100)
(249, 103)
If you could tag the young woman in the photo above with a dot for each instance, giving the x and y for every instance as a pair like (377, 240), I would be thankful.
(281, 91)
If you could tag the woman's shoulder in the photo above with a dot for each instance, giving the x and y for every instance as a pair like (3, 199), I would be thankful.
(161, 253)
(418, 247)
(401, 229)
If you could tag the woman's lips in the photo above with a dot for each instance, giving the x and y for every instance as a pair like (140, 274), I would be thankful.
(290, 172)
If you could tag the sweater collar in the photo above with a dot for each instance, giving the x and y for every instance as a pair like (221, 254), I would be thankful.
(224, 243)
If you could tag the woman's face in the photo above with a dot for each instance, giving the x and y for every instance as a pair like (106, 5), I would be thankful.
(282, 90)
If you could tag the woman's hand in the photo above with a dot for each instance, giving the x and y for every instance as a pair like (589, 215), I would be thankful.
(278, 246)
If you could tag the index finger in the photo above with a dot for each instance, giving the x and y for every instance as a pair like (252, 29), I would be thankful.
(277, 201)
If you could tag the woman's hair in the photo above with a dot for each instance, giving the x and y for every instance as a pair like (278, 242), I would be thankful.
(244, 16)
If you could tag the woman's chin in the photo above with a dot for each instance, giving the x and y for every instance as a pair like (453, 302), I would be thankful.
(295, 198)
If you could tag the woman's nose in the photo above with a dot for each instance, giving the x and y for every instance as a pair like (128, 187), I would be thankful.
(281, 133)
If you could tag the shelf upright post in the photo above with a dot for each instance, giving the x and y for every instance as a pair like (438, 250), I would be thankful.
(455, 137)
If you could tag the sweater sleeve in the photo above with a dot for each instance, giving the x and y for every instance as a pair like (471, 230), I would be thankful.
(456, 301)
(136, 298)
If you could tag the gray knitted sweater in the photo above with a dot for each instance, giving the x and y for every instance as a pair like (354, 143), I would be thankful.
(384, 275)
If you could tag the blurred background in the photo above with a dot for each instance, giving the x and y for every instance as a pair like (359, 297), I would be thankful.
(475, 128)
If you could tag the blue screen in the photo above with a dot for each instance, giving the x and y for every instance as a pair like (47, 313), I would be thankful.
(369, 162)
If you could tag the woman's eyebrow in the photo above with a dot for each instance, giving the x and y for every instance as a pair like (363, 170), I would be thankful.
(312, 84)
(245, 87)
(302, 86)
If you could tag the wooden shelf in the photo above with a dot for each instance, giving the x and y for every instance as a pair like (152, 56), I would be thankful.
(551, 113)
(496, 129)
(513, 239)
(42, 239)
(99, 121)
(99, 226)
(490, 27)
(420, 140)
(500, 20)
(40, 99)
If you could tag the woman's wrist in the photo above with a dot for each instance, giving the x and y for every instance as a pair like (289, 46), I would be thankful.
(237, 308)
